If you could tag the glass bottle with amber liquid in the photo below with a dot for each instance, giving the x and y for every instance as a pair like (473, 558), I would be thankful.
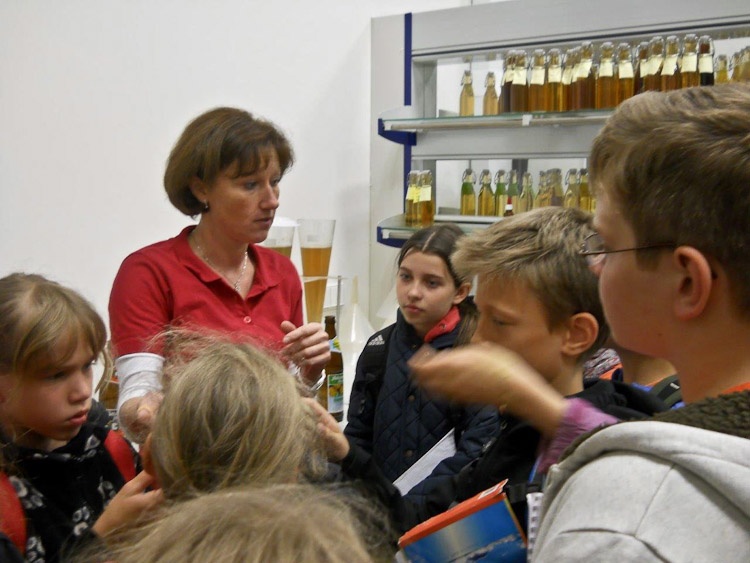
(670, 70)
(571, 192)
(526, 198)
(519, 90)
(331, 392)
(513, 191)
(486, 199)
(606, 81)
(507, 82)
(489, 104)
(624, 73)
(554, 97)
(466, 102)
(412, 196)
(426, 203)
(568, 78)
(585, 197)
(641, 66)
(557, 195)
(501, 192)
(586, 79)
(722, 69)
(468, 196)
(706, 60)
(542, 197)
(538, 81)
(689, 62)
(652, 80)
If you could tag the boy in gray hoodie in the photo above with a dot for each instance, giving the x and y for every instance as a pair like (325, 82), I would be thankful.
(672, 252)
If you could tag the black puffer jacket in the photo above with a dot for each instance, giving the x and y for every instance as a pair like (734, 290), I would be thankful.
(397, 423)
(510, 455)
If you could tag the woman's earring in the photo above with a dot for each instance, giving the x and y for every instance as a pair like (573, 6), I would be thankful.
(205, 207)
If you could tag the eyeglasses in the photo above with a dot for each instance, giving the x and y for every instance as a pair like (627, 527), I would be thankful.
(594, 251)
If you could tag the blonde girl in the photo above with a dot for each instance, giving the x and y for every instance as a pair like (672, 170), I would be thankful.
(252, 525)
(61, 471)
(231, 416)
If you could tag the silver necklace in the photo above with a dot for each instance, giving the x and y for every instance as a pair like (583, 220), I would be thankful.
(236, 284)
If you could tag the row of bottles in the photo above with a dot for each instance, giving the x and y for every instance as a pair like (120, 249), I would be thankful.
(508, 198)
(589, 79)
(419, 206)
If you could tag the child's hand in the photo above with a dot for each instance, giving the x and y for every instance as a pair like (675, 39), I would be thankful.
(306, 346)
(128, 505)
(491, 375)
(336, 444)
(137, 415)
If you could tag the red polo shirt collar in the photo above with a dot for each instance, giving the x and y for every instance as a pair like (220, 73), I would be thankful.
(264, 278)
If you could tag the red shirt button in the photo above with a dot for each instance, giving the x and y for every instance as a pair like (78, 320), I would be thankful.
(247, 320)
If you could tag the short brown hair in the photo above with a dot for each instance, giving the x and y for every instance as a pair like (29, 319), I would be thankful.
(231, 415)
(42, 323)
(539, 248)
(214, 141)
(678, 166)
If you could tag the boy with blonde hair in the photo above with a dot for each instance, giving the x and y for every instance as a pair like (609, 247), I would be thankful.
(537, 297)
(671, 252)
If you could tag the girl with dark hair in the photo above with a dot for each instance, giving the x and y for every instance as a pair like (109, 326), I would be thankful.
(389, 417)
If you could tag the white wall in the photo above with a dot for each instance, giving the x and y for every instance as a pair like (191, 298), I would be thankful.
(93, 95)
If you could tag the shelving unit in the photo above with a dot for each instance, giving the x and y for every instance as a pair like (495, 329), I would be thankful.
(430, 40)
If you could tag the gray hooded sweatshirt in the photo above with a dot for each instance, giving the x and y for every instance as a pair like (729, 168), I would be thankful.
(655, 490)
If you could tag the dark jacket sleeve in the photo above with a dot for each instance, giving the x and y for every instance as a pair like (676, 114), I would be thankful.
(404, 513)
(8, 551)
(476, 427)
(361, 413)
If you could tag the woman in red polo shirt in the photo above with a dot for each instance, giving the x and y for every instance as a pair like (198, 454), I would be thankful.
(226, 167)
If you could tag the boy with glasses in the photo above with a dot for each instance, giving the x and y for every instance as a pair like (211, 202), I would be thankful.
(672, 255)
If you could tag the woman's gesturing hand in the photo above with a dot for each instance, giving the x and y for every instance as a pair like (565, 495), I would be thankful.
(308, 347)
(137, 415)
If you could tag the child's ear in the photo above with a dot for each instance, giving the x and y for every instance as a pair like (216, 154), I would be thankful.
(146, 458)
(461, 293)
(581, 332)
(696, 282)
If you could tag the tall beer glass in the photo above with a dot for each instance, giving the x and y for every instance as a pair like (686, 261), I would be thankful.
(280, 238)
(315, 240)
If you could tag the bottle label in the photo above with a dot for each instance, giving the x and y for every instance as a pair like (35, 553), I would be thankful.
(670, 65)
(625, 70)
(425, 194)
(567, 76)
(333, 344)
(689, 62)
(508, 75)
(654, 64)
(411, 193)
(537, 76)
(584, 69)
(606, 68)
(519, 77)
(706, 64)
(554, 74)
(336, 392)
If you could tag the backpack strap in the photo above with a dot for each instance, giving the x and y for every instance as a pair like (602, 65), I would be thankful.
(12, 516)
(375, 354)
(120, 452)
(668, 391)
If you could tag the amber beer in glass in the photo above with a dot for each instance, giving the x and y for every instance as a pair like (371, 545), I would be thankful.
(280, 239)
(315, 240)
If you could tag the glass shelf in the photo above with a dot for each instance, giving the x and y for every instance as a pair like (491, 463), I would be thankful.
(394, 231)
(503, 121)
